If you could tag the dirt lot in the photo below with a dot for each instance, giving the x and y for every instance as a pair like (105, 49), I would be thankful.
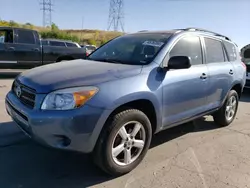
(194, 155)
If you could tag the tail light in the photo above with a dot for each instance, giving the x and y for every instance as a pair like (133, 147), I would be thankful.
(244, 65)
(87, 54)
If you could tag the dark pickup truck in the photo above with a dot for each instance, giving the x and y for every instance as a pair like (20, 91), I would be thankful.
(23, 48)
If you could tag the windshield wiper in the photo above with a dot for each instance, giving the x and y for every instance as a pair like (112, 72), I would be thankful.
(109, 60)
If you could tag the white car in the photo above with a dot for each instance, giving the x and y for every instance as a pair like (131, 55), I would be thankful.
(245, 54)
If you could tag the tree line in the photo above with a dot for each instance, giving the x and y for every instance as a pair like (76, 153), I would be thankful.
(97, 38)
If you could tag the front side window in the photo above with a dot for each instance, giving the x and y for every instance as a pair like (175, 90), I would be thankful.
(6, 36)
(2, 36)
(134, 49)
(214, 51)
(190, 47)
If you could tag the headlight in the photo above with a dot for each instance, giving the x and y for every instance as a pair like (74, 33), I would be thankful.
(67, 99)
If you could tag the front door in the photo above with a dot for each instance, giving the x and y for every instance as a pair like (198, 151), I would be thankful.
(7, 49)
(185, 90)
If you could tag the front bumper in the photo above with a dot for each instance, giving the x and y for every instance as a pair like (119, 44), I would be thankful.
(76, 130)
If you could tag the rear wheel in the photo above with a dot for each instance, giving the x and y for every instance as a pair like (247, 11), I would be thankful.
(226, 114)
(124, 142)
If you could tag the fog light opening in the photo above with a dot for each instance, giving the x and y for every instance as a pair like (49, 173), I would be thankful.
(63, 141)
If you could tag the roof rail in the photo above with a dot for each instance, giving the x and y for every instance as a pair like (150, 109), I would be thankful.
(207, 31)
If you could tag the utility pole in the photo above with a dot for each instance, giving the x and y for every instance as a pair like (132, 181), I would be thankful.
(116, 15)
(82, 29)
(47, 9)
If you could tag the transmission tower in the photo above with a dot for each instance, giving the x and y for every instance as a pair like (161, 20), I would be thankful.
(116, 15)
(47, 9)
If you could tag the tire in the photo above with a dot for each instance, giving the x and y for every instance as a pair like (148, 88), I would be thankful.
(64, 59)
(110, 135)
(220, 117)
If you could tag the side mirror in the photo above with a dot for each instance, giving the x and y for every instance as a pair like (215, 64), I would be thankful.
(179, 62)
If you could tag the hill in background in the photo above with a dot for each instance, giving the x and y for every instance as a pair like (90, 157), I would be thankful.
(85, 36)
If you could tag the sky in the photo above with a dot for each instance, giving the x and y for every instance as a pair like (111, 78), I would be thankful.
(228, 17)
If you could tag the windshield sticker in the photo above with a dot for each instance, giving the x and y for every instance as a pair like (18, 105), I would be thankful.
(153, 43)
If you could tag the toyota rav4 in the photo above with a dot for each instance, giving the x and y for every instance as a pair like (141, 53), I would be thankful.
(132, 87)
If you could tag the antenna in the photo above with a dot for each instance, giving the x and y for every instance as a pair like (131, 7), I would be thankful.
(47, 9)
(116, 15)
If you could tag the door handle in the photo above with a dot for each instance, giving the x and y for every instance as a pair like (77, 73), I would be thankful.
(203, 76)
(231, 72)
(11, 49)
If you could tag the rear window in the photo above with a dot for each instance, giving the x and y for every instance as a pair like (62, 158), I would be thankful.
(231, 50)
(26, 37)
(214, 51)
(57, 43)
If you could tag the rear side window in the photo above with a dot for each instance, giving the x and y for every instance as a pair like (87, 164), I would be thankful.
(231, 50)
(188, 46)
(25, 37)
(57, 43)
(44, 42)
(71, 44)
(214, 51)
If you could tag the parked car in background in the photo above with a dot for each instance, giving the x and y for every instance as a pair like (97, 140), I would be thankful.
(245, 54)
(130, 88)
(89, 48)
(60, 43)
(22, 48)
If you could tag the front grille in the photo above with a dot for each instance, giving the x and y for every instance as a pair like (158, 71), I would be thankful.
(25, 94)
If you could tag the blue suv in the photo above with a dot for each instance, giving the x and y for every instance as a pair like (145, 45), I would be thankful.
(132, 87)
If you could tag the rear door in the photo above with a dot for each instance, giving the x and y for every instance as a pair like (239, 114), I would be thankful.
(221, 71)
(28, 48)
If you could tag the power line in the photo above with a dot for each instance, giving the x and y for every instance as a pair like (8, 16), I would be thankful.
(116, 15)
(47, 9)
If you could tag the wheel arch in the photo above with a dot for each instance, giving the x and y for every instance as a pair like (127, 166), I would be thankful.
(237, 86)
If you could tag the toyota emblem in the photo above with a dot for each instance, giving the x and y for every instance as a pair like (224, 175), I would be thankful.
(18, 91)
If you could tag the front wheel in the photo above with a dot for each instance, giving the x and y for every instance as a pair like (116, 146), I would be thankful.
(124, 142)
(226, 114)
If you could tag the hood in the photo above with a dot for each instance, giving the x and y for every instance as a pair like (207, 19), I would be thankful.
(75, 73)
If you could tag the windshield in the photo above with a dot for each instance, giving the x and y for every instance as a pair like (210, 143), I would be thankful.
(137, 49)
